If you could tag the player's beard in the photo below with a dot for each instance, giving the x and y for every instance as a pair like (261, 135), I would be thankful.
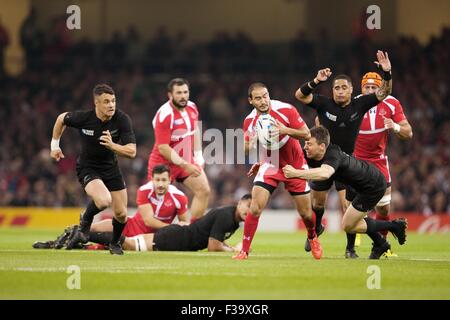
(180, 106)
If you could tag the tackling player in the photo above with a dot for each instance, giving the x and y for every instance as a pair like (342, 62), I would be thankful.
(366, 185)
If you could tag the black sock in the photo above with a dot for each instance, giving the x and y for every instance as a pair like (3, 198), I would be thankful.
(378, 225)
(88, 216)
(117, 230)
(372, 232)
(104, 237)
(100, 237)
(377, 239)
(351, 237)
(319, 214)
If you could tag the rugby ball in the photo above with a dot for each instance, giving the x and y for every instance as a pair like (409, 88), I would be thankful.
(264, 125)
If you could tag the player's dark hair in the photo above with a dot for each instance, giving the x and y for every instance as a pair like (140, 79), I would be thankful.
(321, 134)
(101, 89)
(254, 86)
(246, 196)
(161, 168)
(176, 82)
(344, 77)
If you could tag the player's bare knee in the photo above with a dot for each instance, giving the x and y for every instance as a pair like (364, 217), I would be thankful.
(348, 226)
(121, 215)
(255, 211)
(103, 202)
(203, 191)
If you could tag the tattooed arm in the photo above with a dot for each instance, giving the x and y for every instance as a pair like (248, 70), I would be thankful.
(385, 64)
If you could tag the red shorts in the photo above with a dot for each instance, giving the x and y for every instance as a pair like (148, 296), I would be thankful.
(176, 172)
(383, 166)
(271, 175)
(134, 227)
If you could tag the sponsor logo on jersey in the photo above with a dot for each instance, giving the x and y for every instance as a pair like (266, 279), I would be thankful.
(342, 125)
(178, 122)
(354, 116)
(168, 203)
(382, 112)
(330, 116)
(88, 132)
(114, 132)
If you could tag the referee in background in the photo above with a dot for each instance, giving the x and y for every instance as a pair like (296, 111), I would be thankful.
(105, 133)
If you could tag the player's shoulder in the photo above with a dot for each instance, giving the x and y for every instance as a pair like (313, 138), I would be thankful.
(146, 187)
(252, 115)
(79, 116)
(175, 191)
(192, 105)
(391, 101)
(164, 111)
(278, 105)
(333, 149)
(121, 115)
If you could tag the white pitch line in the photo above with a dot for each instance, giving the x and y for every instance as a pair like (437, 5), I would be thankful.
(159, 270)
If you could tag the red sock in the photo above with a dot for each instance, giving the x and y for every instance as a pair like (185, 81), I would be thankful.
(384, 233)
(310, 224)
(250, 226)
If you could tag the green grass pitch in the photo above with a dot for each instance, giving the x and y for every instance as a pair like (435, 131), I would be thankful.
(278, 268)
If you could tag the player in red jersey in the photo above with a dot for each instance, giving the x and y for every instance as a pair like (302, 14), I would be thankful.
(289, 127)
(378, 122)
(178, 144)
(158, 203)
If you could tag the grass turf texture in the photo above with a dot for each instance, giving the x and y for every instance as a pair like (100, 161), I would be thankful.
(278, 268)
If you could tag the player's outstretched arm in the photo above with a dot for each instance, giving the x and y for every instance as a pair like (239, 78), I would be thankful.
(58, 129)
(215, 245)
(384, 63)
(304, 93)
(323, 173)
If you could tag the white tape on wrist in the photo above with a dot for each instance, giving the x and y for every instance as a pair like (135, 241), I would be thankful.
(396, 128)
(198, 157)
(54, 145)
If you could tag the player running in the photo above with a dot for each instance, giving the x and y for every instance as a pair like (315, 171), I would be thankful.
(366, 185)
(289, 127)
(178, 144)
(98, 171)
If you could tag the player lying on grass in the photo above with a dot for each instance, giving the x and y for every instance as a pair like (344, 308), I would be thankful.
(366, 185)
(158, 201)
(208, 232)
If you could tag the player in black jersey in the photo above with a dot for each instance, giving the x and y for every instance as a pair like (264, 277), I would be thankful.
(365, 187)
(105, 133)
(342, 116)
(208, 232)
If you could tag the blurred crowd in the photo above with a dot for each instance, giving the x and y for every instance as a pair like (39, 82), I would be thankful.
(61, 73)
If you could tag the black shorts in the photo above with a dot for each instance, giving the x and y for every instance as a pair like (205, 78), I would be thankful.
(366, 201)
(112, 178)
(326, 185)
(172, 238)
